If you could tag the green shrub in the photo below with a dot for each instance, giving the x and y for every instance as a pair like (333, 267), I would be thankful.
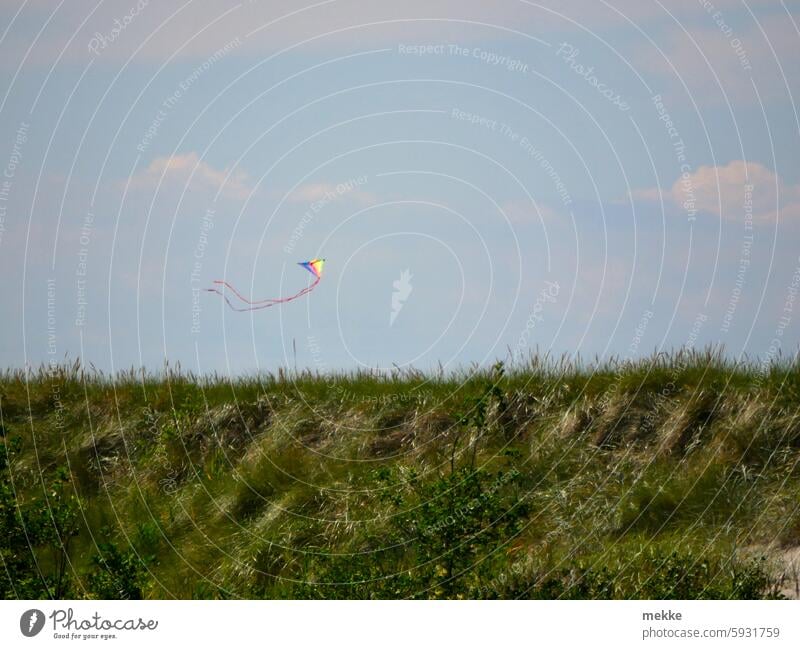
(117, 574)
(36, 534)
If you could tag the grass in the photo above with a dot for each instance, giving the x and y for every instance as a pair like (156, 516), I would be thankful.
(672, 477)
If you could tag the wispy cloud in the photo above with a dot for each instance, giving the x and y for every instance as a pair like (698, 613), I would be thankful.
(646, 194)
(521, 211)
(195, 30)
(326, 192)
(732, 192)
(188, 168)
(715, 62)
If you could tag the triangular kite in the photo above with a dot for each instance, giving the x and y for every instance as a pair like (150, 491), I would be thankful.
(314, 267)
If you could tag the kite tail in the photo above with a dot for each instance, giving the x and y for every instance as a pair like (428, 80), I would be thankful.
(258, 304)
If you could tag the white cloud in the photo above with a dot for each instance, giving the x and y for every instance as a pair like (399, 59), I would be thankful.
(723, 191)
(648, 194)
(522, 212)
(197, 29)
(187, 168)
(315, 192)
(715, 63)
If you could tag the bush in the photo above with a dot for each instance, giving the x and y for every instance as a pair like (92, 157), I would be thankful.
(117, 574)
(36, 535)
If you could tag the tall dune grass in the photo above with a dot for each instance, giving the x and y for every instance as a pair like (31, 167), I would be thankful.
(670, 476)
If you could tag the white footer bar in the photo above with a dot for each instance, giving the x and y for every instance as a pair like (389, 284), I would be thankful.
(398, 624)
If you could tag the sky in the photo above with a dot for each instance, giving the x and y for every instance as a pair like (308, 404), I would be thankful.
(485, 181)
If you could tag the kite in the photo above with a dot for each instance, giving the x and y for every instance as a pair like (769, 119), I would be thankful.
(314, 267)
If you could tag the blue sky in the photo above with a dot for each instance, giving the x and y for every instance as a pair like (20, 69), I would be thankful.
(577, 177)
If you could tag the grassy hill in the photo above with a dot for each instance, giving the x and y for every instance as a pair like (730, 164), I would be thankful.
(674, 477)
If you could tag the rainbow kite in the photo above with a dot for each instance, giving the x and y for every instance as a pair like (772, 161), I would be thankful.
(314, 267)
